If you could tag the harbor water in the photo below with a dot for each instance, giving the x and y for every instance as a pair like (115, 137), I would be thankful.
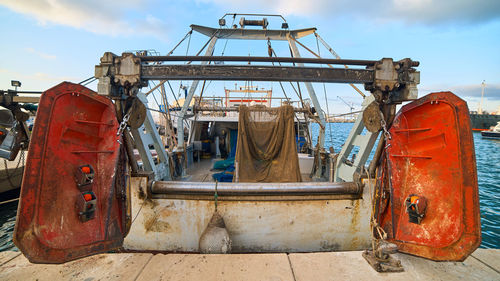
(488, 173)
(488, 168)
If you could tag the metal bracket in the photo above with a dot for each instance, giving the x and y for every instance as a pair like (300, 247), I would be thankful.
(344, 169)
(128, 70)
(399, 79)
(386, 264)
(115, 72)
(145, 136)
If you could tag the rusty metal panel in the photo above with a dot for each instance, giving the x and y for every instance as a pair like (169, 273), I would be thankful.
(256, 73)
(298, 225)
(431, 158)
(69, 206)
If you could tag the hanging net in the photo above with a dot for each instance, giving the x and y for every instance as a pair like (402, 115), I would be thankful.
(266, 150)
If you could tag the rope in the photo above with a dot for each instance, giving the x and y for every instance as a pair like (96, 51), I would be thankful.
(9, 176)
(216, 196)
(9, 201)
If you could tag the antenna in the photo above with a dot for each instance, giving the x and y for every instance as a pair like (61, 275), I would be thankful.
(480, 110)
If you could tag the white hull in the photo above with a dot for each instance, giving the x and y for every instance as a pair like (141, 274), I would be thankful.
(11, 174)
(297, 225)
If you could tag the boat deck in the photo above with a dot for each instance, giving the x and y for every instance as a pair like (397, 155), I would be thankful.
(202, 171)
(484, 264)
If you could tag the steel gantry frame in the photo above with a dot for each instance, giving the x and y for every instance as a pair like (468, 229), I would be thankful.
(390, 82)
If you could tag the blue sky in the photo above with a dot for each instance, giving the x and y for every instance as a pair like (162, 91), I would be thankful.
(457, 42)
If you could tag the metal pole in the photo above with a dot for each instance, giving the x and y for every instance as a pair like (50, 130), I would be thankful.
(199, 188)
(189, 97)
(314, 99)
(318, 60)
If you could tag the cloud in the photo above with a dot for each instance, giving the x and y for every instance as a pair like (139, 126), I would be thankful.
(411, 11)
(40, 54)
(101, 17)
(491, 91)
(37, 81)
(470, 93)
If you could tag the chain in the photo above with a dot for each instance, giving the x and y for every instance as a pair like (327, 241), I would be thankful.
(384, 126)
(123, 125)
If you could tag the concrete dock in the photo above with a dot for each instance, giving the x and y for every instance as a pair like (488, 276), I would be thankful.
(483, 264)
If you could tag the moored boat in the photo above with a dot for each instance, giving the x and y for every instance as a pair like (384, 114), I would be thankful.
(492, 133)
(92, 196)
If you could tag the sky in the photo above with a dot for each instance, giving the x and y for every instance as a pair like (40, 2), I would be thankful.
(457, 42)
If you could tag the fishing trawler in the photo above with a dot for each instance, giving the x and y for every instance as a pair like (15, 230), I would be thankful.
(84, 192)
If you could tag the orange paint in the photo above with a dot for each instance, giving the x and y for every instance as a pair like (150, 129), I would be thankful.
(446, 177)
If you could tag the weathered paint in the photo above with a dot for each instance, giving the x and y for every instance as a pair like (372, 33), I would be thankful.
(254, 226)
(431, 154)
(74, 127)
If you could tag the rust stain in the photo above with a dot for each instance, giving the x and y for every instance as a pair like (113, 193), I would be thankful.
(354, 226)
(329, 246)
(141, 194)
(153, 224)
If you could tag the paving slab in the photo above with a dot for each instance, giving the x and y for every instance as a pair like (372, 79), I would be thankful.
(99, 267)
(218, 267)
(7, 256)
(470, 269)
(491, 257)
(482, 265)
(352, 266)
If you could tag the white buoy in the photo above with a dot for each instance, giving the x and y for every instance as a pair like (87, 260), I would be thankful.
(215, 238)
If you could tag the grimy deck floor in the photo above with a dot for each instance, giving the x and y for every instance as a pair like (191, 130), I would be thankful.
(202, 171)
(484, 264)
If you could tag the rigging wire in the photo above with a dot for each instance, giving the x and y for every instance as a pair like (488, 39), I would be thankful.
(197, 54)
(168, 54)
(312, 52)
(157, 104)
(169, 132)
(271, 52)
(86, 81)
(187, 51)
(180, 42)
(299, 94)
(225, 44)
(326, 100)
(173, 94)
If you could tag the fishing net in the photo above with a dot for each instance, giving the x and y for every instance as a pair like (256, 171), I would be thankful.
(266, 150)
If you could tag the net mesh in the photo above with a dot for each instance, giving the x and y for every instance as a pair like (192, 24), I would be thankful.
(266, 149)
